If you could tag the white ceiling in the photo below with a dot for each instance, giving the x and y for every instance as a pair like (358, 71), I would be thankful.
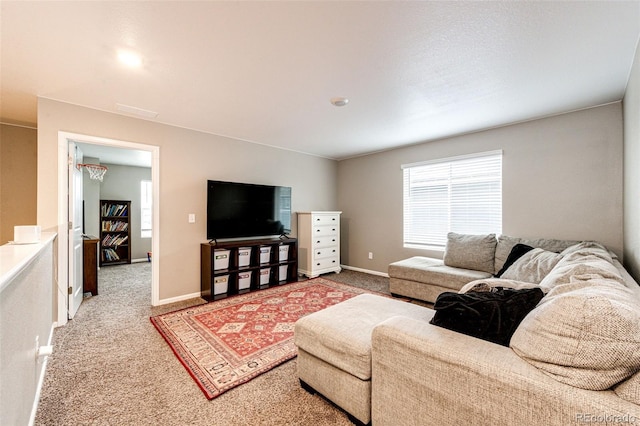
(121, 156)
(265, 71)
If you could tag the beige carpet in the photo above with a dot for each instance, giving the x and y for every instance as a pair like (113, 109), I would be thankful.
(110, 367)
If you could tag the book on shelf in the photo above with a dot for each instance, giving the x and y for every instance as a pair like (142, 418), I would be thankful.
(114, 226)
(114, 210)
(114, 240)
(109, 255)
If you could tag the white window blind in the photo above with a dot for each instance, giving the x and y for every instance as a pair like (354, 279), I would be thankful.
(459, 194)
(146, 205)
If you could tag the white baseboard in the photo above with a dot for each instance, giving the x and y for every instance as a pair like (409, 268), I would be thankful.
(43, 371)
(178, 299)
(366, 271)
(143, 259)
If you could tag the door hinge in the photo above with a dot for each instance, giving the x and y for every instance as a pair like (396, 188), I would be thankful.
(70, 225)
(70, 291)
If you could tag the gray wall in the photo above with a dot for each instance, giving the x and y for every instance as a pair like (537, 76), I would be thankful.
(631, 105)
(187, 159)
(562, 178)
(91, 198)
(123, 183)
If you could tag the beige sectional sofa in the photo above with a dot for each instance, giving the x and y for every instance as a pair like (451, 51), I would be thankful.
(574, 359)
(467, 258)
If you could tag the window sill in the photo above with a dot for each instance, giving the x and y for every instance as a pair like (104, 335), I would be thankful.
(424, 247)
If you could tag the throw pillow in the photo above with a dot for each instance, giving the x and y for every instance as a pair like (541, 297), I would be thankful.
(470, 251)
(506, 243)
(533, 266)
(585, 334)
(492, 316)
(586, 258)
(516, 253)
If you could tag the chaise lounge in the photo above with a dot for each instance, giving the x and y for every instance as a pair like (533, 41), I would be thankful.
(574, 358)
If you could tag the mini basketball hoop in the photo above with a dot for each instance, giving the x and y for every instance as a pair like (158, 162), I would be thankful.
(96, 171)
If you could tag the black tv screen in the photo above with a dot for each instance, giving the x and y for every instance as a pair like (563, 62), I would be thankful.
(242, 210)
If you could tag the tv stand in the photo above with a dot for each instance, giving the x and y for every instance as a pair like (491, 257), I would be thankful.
(224, 266)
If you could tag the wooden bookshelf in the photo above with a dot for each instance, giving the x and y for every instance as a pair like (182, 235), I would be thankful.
(115, 232)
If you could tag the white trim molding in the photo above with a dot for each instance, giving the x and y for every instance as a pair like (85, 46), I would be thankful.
(366, 271)
(63, 185)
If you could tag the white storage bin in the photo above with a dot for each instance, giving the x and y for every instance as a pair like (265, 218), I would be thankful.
(283, 253)
(26, 234)
(282, 272)
(264, 276)
(265, 254)
(244, 256)
(244, 280)
(220, 284)
(220, 259)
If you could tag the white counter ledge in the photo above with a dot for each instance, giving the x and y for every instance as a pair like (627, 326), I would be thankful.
(15, 257)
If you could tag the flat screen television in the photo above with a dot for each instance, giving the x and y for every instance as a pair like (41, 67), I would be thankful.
(241, 210)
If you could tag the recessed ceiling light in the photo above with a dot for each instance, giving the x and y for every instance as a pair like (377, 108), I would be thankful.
(129, 58)
(339, 101)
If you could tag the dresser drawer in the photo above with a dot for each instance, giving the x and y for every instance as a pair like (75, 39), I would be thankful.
(329, 262)
(325, 252)
(328, 241)
(325, 230)
(326, 219)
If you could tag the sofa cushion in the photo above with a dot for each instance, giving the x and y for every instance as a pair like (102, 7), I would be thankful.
(470, 251)
(532, 266)
(629, 390)
(341, 334)
(505, 244)
(517, 252)
(433, 271)
(585, 334)
(489, 315)
(583, 259)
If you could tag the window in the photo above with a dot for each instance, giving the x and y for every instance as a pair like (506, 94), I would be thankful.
(459, 194)
(145, 208)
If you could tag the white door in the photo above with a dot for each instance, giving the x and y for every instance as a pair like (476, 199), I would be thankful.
(75, 230)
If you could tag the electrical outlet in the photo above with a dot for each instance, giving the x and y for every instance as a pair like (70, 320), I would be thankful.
(370, 255)
(192, 218)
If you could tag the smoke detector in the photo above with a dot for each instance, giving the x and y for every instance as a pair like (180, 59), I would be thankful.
(339, 101)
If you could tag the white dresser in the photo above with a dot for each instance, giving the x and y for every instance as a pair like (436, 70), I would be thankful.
(318, 243)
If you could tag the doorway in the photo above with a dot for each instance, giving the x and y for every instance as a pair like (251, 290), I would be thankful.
(108, 149)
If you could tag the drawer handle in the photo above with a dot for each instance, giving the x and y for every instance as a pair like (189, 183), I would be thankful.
(317, 242)
(321, 252)
(333, 251)
(317, 264)
(333, 229)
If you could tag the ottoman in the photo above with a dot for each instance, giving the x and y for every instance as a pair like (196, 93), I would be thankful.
(334, 349)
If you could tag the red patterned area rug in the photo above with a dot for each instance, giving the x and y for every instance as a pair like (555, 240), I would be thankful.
(226, 343)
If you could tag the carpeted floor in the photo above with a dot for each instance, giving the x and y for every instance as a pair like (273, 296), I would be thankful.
(110, 367)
